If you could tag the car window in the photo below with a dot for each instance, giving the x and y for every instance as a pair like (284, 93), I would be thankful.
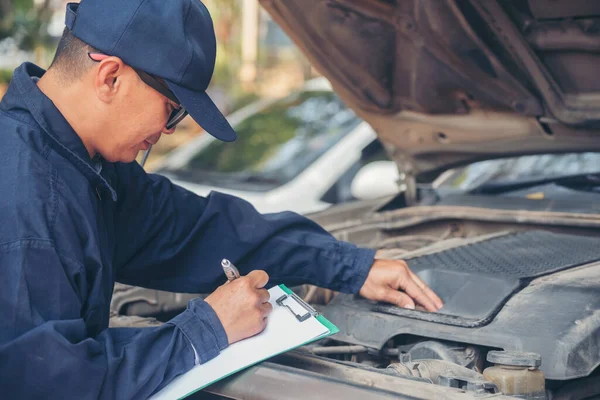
(522, 169)
(279, 142)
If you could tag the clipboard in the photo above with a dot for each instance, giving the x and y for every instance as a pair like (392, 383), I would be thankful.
(292, 323)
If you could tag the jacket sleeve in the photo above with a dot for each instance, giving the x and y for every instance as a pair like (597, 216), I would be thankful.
(47, 350)
(175, 240)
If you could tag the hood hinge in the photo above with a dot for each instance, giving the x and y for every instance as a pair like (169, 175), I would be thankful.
(407, 181)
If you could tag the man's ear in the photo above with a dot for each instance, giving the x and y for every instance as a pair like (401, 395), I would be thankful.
(107, 80)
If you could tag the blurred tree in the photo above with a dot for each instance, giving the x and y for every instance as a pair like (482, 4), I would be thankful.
(5, 23)
(226, 15)
(27, 22)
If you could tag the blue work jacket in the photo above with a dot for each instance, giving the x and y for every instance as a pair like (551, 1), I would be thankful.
(70, 226)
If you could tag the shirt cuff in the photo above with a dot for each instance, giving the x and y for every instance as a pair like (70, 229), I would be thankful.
(201, 326)
(359, 261)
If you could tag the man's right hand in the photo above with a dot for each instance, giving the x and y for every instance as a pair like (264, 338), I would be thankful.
(242, 305)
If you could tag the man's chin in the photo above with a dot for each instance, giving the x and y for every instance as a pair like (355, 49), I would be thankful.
(124, 157)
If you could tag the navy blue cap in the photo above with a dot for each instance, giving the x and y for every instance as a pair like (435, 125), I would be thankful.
(171, 39)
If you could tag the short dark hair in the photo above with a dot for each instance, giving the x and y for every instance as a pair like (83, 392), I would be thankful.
(71, 59)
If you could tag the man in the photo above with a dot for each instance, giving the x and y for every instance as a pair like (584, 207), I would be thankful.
(78, 213)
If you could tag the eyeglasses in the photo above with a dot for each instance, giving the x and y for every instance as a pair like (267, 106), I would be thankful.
(177, 115)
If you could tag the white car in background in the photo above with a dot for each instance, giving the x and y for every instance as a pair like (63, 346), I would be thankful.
(301, 153)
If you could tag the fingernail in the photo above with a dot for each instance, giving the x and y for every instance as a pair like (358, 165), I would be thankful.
(410, 306)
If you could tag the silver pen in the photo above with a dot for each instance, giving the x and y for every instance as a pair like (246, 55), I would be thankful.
(230, 270)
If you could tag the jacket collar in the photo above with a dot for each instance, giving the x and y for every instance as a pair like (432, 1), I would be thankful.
(52, 122)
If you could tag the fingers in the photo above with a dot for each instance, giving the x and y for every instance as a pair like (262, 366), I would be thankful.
(262, 319)
(388, 277)
(266, 309)
(398, 298)
(242, 305)
(418, 290)
(414, 291)
(263, 295)
(258, 278)
(430, 293)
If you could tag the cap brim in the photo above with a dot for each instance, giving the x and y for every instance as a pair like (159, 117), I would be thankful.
(202, 109)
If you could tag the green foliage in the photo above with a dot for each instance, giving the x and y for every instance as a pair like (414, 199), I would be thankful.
(257, 137)
(243, 99)
(280, 140)
(6, 20)
(5, 76)
(227, 20)
(26, 21)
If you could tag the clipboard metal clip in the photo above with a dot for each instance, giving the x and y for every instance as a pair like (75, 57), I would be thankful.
(310, 311)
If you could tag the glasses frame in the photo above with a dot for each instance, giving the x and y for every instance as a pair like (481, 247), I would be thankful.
(178, 114)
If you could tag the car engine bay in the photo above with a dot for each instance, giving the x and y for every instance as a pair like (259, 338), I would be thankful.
(521, 283)
(529, 287)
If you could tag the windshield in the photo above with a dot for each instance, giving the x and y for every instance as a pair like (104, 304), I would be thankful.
(518, 169)
(276, 144)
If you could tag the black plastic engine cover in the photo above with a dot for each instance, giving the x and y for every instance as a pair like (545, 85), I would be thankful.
(474, 280)
(556, 314)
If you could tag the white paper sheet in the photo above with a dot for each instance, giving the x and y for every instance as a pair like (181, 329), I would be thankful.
(283, 332)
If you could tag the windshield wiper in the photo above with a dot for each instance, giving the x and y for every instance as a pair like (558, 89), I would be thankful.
(586, 181)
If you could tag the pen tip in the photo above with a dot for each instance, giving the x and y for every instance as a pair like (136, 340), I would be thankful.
(225, 262)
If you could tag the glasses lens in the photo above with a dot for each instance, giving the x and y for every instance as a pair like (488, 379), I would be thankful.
(176, 117)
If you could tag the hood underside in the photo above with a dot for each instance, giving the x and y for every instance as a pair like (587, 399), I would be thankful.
(448, 82)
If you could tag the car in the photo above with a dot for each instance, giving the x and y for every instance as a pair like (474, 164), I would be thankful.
(490, 111)
(301, 153)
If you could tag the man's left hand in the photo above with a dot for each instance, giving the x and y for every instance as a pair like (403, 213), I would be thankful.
(393, 282)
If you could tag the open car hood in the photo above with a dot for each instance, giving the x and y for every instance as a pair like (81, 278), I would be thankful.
(448, 82)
